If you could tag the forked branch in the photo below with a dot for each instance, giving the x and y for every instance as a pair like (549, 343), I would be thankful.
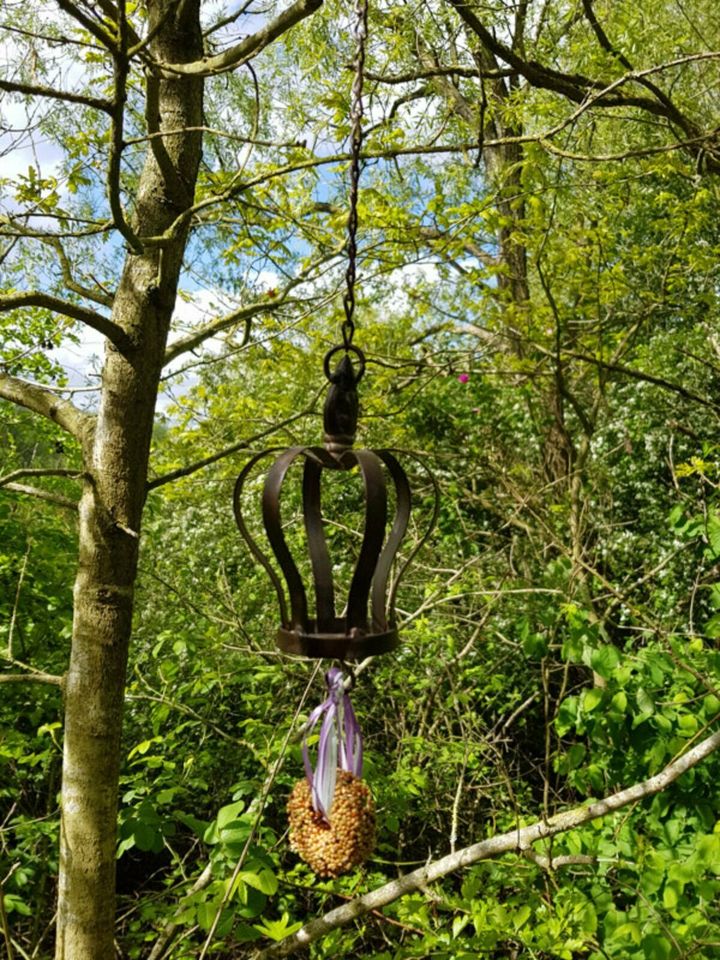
(247, 48)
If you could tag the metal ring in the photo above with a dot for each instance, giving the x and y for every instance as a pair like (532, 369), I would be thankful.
(350, 348)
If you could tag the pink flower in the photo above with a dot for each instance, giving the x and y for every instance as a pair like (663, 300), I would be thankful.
(464, 377)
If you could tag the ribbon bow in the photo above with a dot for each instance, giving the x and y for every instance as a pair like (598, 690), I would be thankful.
(340, 743)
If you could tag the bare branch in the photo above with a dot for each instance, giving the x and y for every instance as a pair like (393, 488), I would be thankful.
(241, 445)
(16, 603)
(96, 294)
(47, 495)
(35, 677)
(168, 931)
(643, 377)
(39, 472)
(446, 70)
(194, 339)
(36, 398)
(34, 90)
(247, 48)
(11, 226)
(516, 841)
(156, 136)
(245, 314)
(90, 318)
(121, 68)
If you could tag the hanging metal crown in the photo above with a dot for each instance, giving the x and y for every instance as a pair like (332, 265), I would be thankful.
(368, 624)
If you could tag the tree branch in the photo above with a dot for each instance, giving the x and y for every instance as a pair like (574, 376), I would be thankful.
(516, 841)
(444, 70)
(673, 114)
(92, 26)
(90, 318)
(35, 677)
(645, 378)
(34, 90)
(47, 495)
(36, 398)
(197, 337)
(247, 48)
(246, 313)
(39, 472)
(241, 445)
(121, 69)
(97, 294)
(575, 87)
(600, 97)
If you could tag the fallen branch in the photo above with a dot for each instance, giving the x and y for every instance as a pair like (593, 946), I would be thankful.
(517, 841)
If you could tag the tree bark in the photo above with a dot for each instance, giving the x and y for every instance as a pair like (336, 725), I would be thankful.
(113, 498)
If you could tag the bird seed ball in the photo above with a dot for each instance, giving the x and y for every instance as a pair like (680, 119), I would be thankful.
(347, 841)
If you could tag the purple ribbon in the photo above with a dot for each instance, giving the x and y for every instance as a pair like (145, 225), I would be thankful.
(340, 743)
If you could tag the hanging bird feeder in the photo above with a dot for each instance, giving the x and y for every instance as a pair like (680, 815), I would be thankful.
(366, 624)
(331, 811)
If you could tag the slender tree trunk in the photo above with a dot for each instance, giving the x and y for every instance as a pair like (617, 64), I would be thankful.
(112, 504)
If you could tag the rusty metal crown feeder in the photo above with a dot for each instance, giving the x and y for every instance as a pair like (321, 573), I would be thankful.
(367, 625)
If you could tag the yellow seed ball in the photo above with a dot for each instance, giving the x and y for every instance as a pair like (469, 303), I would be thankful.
(347, 841)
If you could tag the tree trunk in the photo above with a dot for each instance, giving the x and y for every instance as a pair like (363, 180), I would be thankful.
(112, 503)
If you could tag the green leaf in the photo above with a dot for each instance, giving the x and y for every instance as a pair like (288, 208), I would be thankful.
(198, 827)
(265, 881)
(229, 812)
(588, 919)
(592, 699)
(671, 894)
(604, 660)
(567, 716)
(206, 913)
(459, 924)
(278, 929)
(147, 837)
(254, 902)
(656, 947)
(535, 645)
(15, 904)
(713, 532)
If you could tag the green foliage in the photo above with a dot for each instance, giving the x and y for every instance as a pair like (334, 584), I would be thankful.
(559, 629)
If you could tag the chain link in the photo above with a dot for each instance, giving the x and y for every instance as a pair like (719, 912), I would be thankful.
(356, 136)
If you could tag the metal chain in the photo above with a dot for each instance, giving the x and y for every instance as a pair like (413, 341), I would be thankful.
(356, 115)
